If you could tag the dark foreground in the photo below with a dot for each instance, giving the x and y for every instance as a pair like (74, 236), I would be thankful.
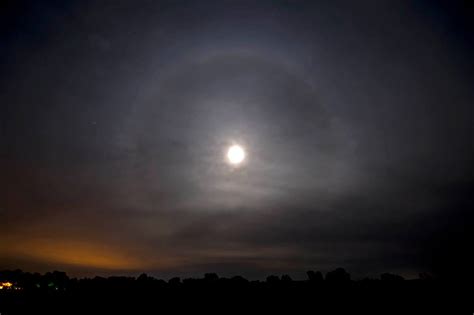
(55, 293)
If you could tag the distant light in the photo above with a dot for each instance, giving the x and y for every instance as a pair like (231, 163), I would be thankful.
(5, 285)
(236, 154)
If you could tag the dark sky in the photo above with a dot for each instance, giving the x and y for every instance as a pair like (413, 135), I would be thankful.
(357, 118)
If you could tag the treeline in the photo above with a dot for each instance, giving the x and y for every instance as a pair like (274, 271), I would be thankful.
(334, 292)
(57, 280)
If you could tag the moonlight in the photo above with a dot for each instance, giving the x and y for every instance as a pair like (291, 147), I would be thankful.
(235, 155)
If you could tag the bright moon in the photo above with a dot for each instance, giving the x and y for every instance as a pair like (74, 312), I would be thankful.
(235, 154)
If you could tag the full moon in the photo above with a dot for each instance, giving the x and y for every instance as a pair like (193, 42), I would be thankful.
(235, 155)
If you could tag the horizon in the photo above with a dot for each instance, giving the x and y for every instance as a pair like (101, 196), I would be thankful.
(237, 137)
(420, 276)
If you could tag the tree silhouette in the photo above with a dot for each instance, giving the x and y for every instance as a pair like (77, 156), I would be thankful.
(315, 276)
(338, 275)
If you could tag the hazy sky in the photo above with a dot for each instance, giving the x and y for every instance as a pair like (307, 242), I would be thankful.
(357, 118)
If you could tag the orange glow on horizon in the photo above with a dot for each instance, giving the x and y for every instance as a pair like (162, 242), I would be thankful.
(76, 253)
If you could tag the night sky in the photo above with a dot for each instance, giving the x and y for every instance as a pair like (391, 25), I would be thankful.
(357, 119)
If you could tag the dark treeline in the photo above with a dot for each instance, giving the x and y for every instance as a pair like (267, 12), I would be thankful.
(55, 292)
(58, 280)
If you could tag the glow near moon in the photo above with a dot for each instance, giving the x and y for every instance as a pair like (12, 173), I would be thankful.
(235, 155)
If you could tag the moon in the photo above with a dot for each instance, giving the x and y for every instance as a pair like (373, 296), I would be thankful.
(235, 154)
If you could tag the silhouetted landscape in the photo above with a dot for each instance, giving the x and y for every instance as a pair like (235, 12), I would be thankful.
(54, 292)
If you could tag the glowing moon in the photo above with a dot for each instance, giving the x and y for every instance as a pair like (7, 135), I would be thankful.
(235, 155)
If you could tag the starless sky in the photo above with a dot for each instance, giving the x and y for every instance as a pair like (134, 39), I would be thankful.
(356, 117)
